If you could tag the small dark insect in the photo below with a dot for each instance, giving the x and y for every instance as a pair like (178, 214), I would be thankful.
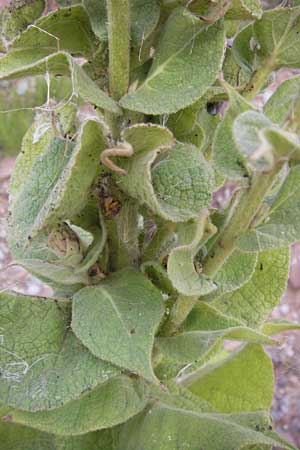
(261, 267)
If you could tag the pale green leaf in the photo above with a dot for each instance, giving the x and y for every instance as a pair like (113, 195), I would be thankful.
(31, 62)
(175, 183)
(283, 106)
(257, 298)
(242, 382)
(118, 318)
(205, 317)
(158, 276)
(144, 18)
(16, 17)
(14, 437)
(281, 225)
(244, 9)
(277, 37)
(248, 134)
(262, 142)
(65, 29)
(108, 405)
(278, 326)
(17, 437)
(236, 271)
(177, 77)
(43, 365)
(273, 41)
(181, 269)
(63, 175)
(243, 48)
(226, 156)
(194, 346)
(182, 429)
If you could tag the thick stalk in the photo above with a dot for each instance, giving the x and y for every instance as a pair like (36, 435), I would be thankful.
(118, 12)
(258, 80)
(240, 220)
(242, 216)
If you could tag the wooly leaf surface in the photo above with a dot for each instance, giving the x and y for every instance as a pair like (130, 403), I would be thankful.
(118, 318)
(43, 365)
(177, 78)
(115, 204)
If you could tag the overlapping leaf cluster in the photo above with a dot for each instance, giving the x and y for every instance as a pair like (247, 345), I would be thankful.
(149, 279)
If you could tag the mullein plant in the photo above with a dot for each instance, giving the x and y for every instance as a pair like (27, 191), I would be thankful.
(111, 205)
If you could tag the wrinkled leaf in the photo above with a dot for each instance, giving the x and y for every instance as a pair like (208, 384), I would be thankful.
(16, 17)
(281, 225)
(144, 18)
(30, 63)
(242, 382)
(244, 9)
(43, 365)
(262, 142)
(278, 326)
(175, 183)
(282, 107)
(257, 298)
(226, 156)
(118, 318)
(63, 175)
(192, 346)
(192, 430)
(108, 405)
(181, 269)
(17, 437)
(177, 77)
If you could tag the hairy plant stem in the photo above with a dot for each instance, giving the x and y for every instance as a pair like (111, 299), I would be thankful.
(258, 80)
(163, 233)
(241, 217)
(240, 220)
(118, 12)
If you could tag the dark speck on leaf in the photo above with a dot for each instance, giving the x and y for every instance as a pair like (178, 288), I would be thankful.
(261, 267)
(213, 108)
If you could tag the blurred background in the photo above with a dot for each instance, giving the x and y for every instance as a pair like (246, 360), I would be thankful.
(28, 93)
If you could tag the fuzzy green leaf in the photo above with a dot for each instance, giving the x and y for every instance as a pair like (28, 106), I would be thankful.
(60, 181)
(108, 405)
(244, 9)
(165, 428)
(177, 77)
(175, 183)
(43, 365)
(262, 142)
(144, 18)
(17, 437)
(236, 271)
(118, 318)
(277, 36)
(272, 41)
(257, 298)
(242, 382)
(281, 226)
(226, 156)
(191, 346)
(66, 29)
(181, 269)
(278, 326)
(282, 107)
(16, 17)
(30, 63)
